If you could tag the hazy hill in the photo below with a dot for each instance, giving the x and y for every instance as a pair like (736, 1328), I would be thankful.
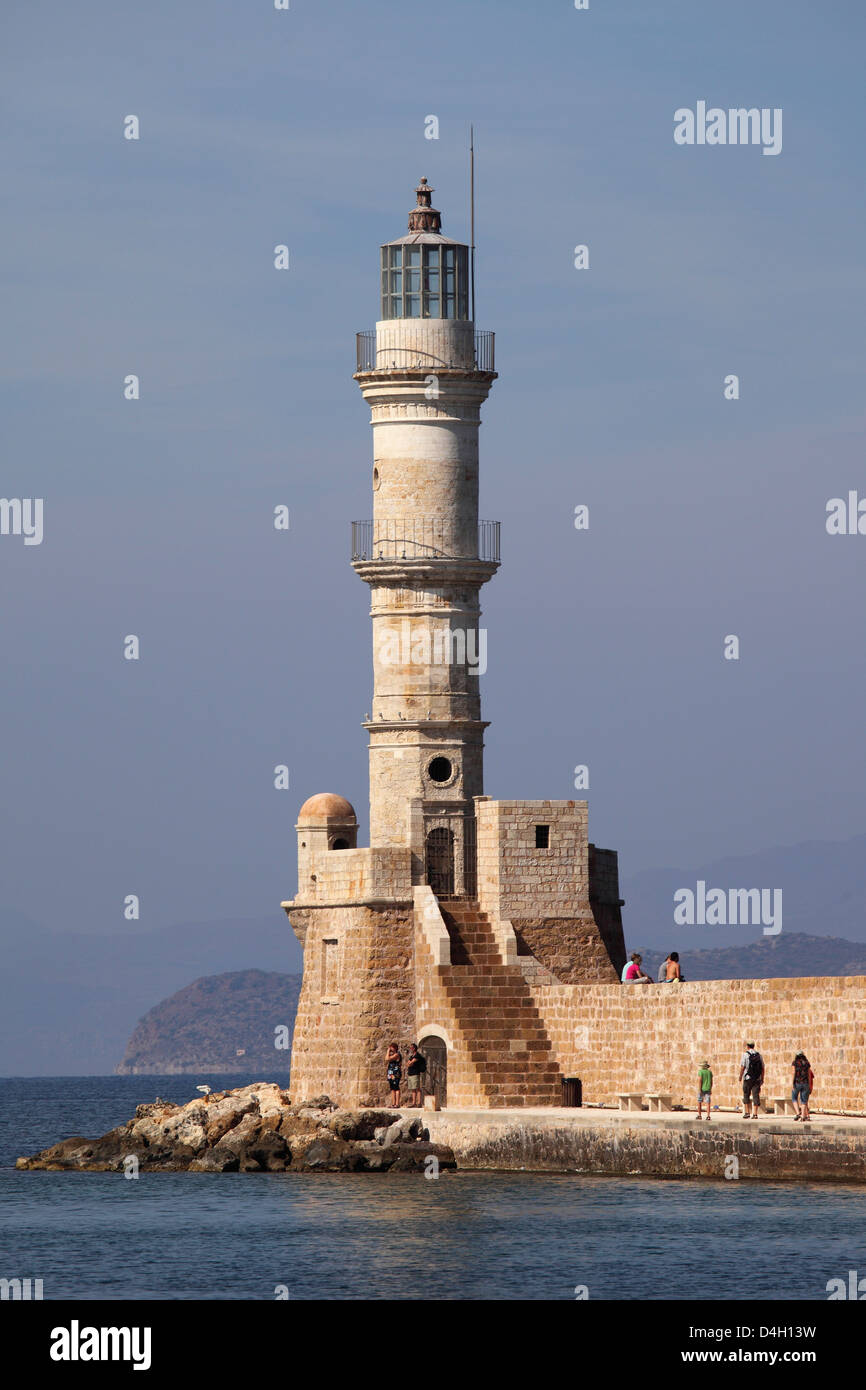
(69, 1001)
(221, 1023)
(823, 887)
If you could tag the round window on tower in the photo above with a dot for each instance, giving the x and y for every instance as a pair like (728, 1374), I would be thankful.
(440, 770)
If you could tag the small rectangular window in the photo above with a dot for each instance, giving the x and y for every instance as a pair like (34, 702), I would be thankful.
(542, 837)
(330, 968)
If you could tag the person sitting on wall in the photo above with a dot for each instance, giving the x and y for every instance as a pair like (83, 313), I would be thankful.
(663, 970)
(635, 975)
(415, 1072)
(625, 969)
(802, 1085)
(394, 1061)
(673, 974)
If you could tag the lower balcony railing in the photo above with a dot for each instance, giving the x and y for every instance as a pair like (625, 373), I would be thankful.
(420, 538)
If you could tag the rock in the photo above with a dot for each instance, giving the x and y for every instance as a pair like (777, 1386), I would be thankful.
(215, 1161)
(271, 1152)
(226, 1114)
(250, 1130)
(412, 1158)
(404, 1130)
(321, 1103)
(357, 1124)
(332, 1156)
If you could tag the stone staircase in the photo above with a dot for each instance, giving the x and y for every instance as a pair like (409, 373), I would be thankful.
(491, 1002)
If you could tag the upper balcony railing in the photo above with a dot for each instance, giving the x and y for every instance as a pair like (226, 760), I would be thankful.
(398, 355)
(419, 538)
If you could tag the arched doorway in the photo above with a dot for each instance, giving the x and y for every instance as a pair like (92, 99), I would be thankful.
(436, 1079)
(439, 853)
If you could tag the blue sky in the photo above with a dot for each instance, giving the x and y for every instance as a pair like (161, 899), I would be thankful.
(155, 257)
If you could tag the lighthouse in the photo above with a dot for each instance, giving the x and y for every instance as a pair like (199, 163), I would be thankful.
(425, 371)
(465, 918)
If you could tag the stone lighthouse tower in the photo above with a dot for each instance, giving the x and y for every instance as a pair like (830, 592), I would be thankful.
(466, 918)
(425, 373)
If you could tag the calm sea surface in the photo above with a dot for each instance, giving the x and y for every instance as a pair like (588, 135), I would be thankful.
(357, 1236)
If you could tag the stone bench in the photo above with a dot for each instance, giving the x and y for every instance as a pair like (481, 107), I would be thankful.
(783, 1105)
(657, 1100)
(630, 1100)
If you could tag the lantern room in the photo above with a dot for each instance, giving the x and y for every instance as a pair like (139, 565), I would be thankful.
(425, 275)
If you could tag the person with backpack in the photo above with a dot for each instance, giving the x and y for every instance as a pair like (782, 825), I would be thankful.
(417, 1066)
(752, 1076)
(802, 1084)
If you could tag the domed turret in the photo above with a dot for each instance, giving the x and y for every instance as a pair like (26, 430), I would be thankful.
(325, 822)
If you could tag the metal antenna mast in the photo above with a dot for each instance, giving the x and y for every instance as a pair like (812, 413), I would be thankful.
(472, 215)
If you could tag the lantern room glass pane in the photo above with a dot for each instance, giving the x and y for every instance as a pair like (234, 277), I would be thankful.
(396, 308)
(396, 281)
(413, 306)
(431, 306)
(413, 255)
(433, 257)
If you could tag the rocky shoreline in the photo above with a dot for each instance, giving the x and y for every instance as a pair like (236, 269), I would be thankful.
(253, 1129)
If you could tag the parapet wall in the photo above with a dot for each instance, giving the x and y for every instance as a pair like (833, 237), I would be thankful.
(654, 1037)
(357, 876)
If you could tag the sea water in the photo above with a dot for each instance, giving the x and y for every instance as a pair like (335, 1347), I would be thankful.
(380, 1235)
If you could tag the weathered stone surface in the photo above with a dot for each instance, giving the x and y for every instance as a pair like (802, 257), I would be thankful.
(253, 1130)
(404, 1130)
(658, 1146)
(358, 1124)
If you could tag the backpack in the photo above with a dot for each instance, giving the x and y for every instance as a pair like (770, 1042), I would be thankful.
(420, 1064)
(755, 1068)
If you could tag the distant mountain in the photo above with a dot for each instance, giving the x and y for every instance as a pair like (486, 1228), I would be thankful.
(771, 958)
(220, 1023)
(823, 886)
(68, 1001)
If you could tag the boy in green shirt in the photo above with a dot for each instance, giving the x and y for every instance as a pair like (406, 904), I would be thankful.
(705, 1088)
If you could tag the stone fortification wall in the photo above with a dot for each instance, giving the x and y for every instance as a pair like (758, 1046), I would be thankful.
(358, 995)
(654, 1037)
